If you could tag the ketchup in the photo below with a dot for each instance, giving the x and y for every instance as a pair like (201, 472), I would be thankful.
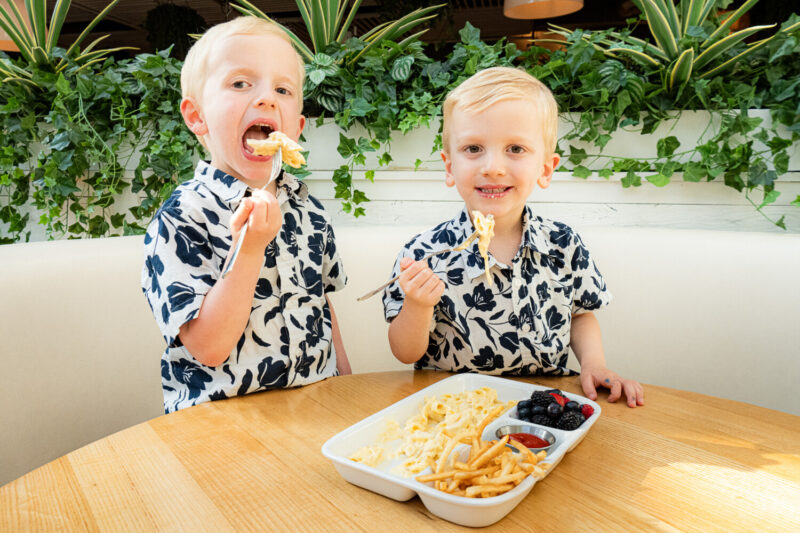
(528, 440)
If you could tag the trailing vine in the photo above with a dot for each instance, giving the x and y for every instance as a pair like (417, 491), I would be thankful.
(65, 144)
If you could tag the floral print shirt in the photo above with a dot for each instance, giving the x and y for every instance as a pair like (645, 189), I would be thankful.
(287, 341)
(521, 324)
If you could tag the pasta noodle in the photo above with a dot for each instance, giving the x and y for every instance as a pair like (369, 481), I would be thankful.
(291, 150)
(484, 225)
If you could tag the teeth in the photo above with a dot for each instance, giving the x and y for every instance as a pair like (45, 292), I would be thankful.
(493, 191)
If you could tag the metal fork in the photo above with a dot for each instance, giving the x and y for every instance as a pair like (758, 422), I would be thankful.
(276, 169)
(458, 248)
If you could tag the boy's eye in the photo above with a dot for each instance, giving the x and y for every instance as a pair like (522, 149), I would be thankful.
(283, 90)
(516, 149)
(472, 149)
(239, 84)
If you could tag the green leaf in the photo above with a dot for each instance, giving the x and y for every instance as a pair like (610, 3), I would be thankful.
(769, 198)
(694, 172)
(666, 147)
(316, 76)
(469, 34)
(581, 172)
(658, 179)
(781, 162)
(631, 179)
(401, 68)
(576, 155)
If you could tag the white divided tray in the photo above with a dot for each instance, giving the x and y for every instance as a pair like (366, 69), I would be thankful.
(475, 512)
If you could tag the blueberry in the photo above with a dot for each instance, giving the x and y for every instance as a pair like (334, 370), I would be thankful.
(523, 413)
(524, 404)
(573, 406)
(538, 410)
(554, 410)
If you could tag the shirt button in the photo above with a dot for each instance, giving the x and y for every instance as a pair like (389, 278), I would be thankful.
(526, 327)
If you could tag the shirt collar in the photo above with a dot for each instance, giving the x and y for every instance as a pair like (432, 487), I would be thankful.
(232, 190)
(533, 237)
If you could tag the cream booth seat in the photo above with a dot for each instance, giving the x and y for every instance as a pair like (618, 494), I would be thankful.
(711, 312)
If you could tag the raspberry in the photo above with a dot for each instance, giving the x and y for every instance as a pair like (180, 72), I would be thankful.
(587, 410)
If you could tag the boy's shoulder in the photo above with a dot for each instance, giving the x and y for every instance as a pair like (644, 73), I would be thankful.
(441, 236)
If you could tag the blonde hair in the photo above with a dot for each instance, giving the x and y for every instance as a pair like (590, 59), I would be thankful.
(194, 72)
(495, 84)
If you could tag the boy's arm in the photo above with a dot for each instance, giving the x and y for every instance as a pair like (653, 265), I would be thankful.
(409, 330)
(223, 316)
(342, 363)
(587, 343)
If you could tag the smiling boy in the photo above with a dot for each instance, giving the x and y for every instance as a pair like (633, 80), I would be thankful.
(498, 144)
(268, 323)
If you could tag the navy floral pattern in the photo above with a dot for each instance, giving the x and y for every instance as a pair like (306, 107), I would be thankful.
(287, 341)
(520, 325)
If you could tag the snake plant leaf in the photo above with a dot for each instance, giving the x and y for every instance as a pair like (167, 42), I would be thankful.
(723, 45)
(660, 28)
(350, 17)
(681, 69)
(56, 23)
(37, 14)
(40, 57)
(636, 55)
(19, 38)
(732, 61)
(668, 8)
(86, 31)
(249, 9)
(725, 26)
(696, 12)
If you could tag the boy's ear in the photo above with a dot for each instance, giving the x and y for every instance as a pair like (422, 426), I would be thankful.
(550, 165)
(192, 117)
(448, 169)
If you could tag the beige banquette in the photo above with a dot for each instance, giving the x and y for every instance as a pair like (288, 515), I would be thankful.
(711, 312)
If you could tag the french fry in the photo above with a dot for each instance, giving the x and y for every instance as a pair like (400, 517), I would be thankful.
(491, 453)
(485, 490)
(438, 476)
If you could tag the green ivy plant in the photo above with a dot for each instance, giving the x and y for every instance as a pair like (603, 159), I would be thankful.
(65, 148)
(746, 154)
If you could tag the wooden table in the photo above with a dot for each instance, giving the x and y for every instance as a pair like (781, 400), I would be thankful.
(683, 462)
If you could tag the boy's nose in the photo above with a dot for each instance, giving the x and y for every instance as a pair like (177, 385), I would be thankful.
(265, 101)
(493, 166)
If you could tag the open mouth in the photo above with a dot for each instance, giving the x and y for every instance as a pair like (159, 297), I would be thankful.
(257, 132)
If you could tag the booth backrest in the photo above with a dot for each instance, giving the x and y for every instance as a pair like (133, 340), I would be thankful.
(710, 312)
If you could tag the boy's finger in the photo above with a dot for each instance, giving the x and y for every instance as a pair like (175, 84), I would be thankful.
(240, 215)
(630, 393)
(616, 391)
(406, 262)
(587, 382)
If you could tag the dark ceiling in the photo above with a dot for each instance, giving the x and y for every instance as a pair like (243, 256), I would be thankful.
(125, 24)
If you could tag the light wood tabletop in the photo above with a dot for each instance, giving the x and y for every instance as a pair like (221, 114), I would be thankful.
(684, 462)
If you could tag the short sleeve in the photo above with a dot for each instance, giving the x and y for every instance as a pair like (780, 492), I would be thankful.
(333, 275)
(589, 288)
(180, 266)
(393, 295)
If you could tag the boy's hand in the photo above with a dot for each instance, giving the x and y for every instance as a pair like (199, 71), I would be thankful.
(263, 216)
(593, 377)
(421, 285)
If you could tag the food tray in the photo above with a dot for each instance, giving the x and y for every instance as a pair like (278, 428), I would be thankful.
(475, 512)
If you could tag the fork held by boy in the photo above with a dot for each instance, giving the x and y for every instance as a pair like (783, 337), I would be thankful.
(458, 248)
(276, 169)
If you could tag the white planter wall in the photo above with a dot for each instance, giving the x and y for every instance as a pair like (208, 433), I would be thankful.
(401, 195)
